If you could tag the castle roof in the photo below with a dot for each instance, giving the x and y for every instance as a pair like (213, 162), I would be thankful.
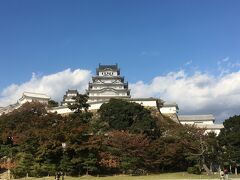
(210, 126)
(207, 117)
(35, 95)
(107, 67)
(170, 104)
(102, 67)
(72, 91)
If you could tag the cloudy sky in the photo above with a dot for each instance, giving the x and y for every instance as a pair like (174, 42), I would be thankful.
(185, 51)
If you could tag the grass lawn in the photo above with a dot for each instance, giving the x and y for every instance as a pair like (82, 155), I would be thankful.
(180, 175)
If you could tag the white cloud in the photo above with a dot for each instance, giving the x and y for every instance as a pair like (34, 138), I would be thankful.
(53, 85)
(199, 93)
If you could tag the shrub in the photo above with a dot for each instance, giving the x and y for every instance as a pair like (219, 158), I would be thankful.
(39, 171)
(194, 170)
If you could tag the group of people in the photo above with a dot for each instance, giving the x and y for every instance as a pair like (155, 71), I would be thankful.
(224, 174)
(58, 175)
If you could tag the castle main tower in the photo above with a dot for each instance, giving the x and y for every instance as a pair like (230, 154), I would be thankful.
(107, 84)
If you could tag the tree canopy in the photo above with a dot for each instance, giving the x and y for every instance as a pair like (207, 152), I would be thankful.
(80, 103)
(229, 139)
(124, 115)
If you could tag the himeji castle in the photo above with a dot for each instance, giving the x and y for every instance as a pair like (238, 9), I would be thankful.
(108, 83)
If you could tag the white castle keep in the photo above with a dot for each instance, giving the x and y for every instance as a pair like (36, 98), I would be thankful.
(107, 84)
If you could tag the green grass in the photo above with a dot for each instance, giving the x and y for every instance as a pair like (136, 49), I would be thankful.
(181, 175)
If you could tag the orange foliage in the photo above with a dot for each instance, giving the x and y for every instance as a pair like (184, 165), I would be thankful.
(108, 160)
(7, 164)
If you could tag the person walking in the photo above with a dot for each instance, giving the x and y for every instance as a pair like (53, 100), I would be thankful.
(221, 175)
(225, 174)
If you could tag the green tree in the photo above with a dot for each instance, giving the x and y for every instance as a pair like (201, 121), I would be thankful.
(80, 103)
(52, 103)
(24, 165)
(124, 115)
(176, 149)
(90, 163)
(65, 164)
(212, 153)
(229, 139)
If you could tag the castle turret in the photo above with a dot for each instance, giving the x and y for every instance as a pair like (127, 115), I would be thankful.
(68, 98)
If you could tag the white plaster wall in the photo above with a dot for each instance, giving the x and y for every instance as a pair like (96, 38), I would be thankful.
(95, 106)
(147, 103)
(108, 93)
(168, 110)
(106, 86)
(216, 131)
(196, 122)
(43, 101)
(208, 122)
(71, 94)
(22, 101)
(69, 100)
(66, 110)
(108, 81)
(186, 122)
(143, 103)
(28, 99)
(61, 110)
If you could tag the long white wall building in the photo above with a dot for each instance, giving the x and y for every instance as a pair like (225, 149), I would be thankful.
(34, 97)
(201, 121)
(26, 97)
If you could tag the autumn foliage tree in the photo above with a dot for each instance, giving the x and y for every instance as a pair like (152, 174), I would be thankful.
(124, 151)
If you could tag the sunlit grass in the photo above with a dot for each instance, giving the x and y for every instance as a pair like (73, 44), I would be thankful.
(179, 175)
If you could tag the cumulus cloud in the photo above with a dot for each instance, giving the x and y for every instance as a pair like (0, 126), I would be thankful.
(53, 85)
(199, 93)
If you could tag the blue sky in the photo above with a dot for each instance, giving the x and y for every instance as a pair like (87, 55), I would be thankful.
(146, 38)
